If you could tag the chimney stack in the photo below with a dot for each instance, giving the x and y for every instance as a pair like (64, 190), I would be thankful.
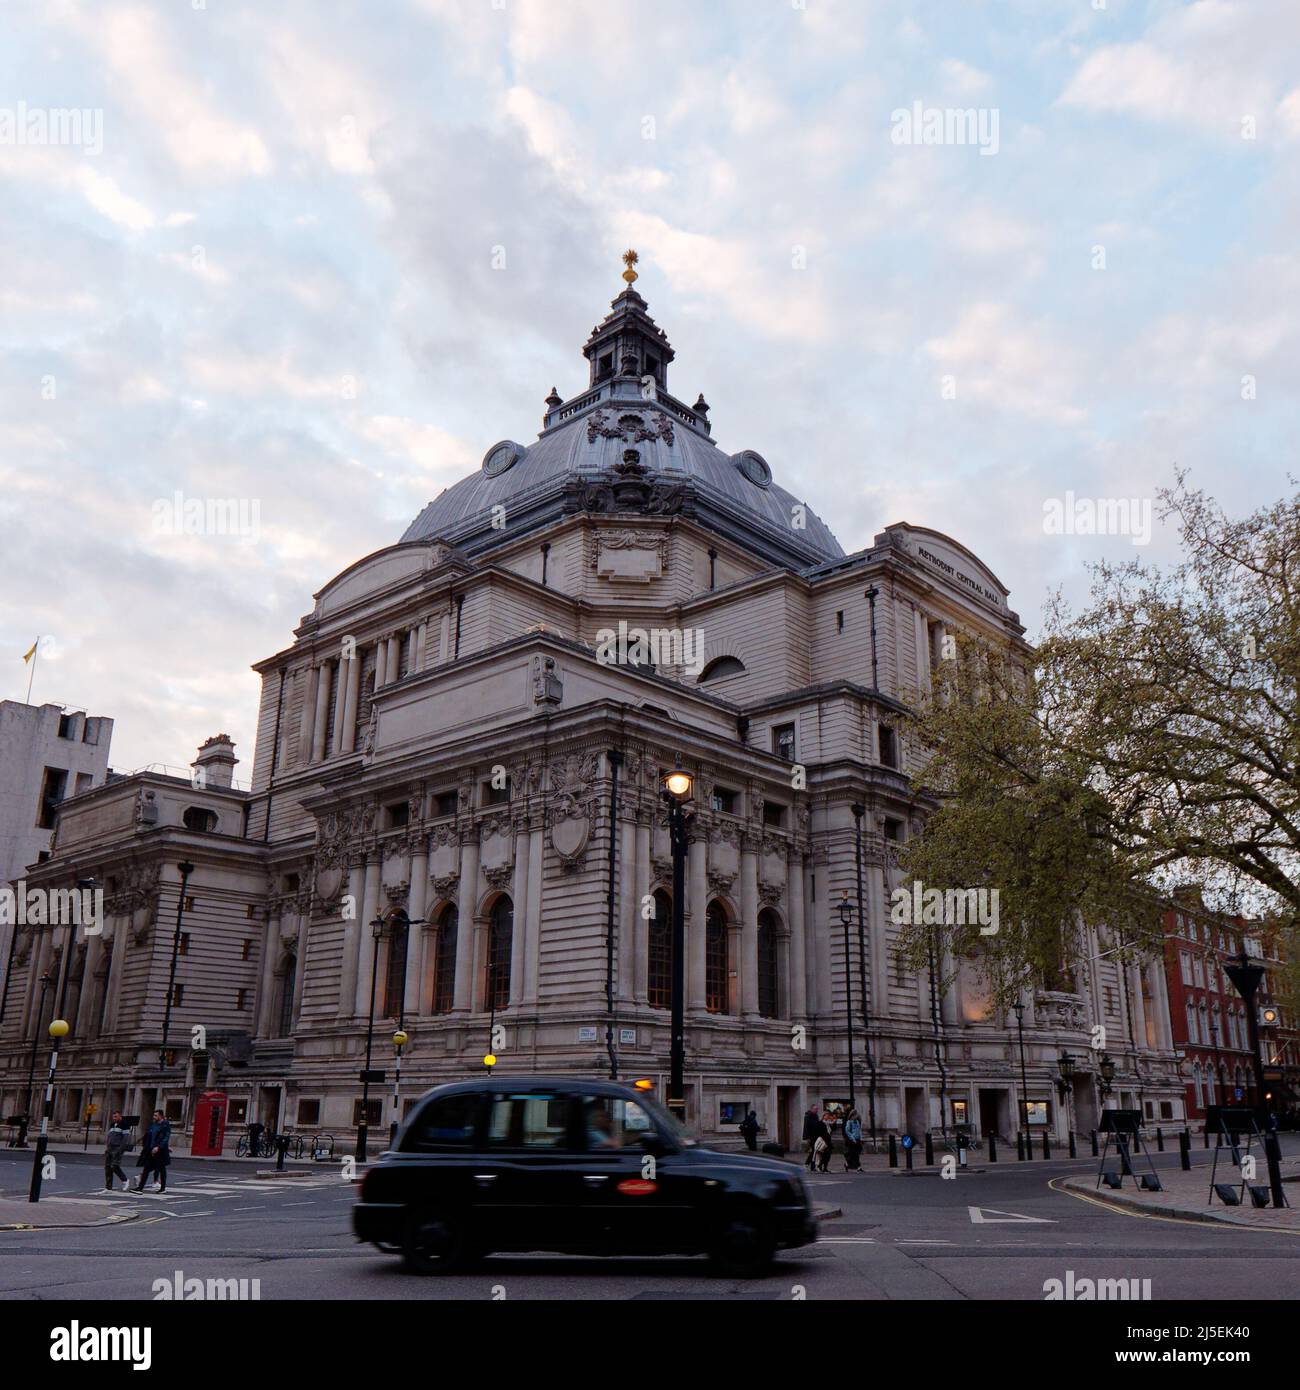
(215, 764)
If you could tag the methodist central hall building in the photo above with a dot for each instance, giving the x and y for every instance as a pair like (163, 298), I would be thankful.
(469, 730)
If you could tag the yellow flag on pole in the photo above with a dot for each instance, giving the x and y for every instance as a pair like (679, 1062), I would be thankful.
(27, 656)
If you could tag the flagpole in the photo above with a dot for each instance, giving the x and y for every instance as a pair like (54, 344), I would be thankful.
(31, 675)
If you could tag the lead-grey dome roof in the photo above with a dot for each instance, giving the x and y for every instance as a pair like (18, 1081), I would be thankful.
(612, 449)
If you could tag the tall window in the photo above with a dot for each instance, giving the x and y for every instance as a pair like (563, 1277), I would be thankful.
(288, 982)
(444, 961)
(715, 959)
(501, 932)
(767, 973)
(660, 964)
(395, 976)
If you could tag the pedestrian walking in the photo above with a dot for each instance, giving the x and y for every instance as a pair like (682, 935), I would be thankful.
(116, 1143)
(810, 1122)
(822, 1147)
(749, 1130)
(155, 1152)
(853, 1142)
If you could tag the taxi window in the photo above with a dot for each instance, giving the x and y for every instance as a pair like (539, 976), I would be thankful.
(611, 1123)
(444, 1124)
(529, 1121)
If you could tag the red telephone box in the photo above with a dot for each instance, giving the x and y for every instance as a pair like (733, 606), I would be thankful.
(209, 1124)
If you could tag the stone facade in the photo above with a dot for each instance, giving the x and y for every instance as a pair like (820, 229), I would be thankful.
(442, 736)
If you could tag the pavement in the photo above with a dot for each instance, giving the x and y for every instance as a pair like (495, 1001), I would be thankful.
(1005, 1231)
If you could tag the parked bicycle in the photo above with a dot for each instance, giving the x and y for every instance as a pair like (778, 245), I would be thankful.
(265, 1146)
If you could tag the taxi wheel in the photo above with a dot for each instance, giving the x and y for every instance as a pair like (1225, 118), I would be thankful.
(435, 1242)
(744, 1245)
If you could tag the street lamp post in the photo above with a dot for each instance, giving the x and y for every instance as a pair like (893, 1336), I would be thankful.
(1019, 1007)
(25, 1123)
(400, 1039)
(846, 917)
(677, 788)
(377, 931)
(58, 1030)
(1247, 977)
(859, 811)
(186, 869)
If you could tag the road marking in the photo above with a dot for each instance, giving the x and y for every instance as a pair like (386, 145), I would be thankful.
(925, 1242)
(1003, 1217)
(845, 1240)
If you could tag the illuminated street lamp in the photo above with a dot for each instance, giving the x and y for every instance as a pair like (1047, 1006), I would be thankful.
(58, 1031)
(677, 788)
(1107, 1069)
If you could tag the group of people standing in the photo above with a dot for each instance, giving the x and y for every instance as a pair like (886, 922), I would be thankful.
(819, 1135)
(155, 1152)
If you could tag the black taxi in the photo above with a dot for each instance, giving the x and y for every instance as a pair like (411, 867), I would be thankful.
(579, 1167)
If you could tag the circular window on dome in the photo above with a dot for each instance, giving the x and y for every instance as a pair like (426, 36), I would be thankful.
(502, 456)
(754, 467)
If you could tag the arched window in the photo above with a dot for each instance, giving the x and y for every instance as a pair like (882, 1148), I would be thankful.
(395, 975)
(444, 961)
(715, 959)
(721, 666)
(767, 973)
(288, 981)
(501, 933)
(659, 973)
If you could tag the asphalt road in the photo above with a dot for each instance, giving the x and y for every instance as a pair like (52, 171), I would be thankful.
(992, 1234)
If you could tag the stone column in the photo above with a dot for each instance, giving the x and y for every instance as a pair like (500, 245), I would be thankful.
(419, 655)
(950, 1000)
(352, 931)
(642, 963)
(394, 667)
(444, 639)
(320, 723)
(812, 966)
(627, 913)
(86, 1004)
(300, 974)
(533, 955)
(419, 933)
(307, 727)
(350, 709)
(340, 702)
(1139, 1006)
(798, 946)
(877, 903)
(822, 928)
(120, 935)
(696, 902)
(748, 930)
(365, 937)
(381, 663)
(519, 934)
(467, 906)
(266, 983)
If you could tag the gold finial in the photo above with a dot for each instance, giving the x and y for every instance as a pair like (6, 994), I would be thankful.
(630, 258)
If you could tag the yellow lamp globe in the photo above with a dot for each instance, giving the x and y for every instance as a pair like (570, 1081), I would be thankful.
(400, 1039)
(489, 1060)
(59, 1028)
(678, 784)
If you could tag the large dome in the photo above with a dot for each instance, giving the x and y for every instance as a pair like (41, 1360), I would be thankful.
(625, 444)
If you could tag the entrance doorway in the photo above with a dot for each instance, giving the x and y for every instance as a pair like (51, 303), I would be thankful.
(788, 1116)
(918, 1118)
(995, 1111)
(268, 1108)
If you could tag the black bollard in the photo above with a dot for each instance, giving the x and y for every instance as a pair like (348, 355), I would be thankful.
(1205, 1138)
(893, 1151)
(1020, 1146)
(929, 1149)
(1095, 1150)
(1160, 1139)
(908, 1152)
(282, 1148)
(993, 1147)
(1047, 1146)
(1185, 1151)
(1074, 1148)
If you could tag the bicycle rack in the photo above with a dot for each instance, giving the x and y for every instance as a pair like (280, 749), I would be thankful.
(322, 1148)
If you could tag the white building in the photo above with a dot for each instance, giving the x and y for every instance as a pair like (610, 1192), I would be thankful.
(440, 739)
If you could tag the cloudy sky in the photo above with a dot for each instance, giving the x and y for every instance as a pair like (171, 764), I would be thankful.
(322, 253)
